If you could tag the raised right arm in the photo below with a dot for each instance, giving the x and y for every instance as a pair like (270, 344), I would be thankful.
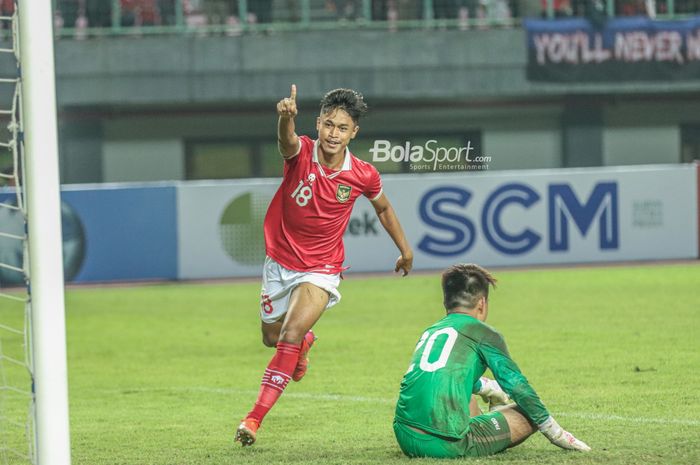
(287, 139)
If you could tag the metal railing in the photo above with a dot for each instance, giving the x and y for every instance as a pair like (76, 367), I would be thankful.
(89, 18)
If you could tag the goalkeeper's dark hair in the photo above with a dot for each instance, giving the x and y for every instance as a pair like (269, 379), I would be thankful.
(464, 284)
(348, 100)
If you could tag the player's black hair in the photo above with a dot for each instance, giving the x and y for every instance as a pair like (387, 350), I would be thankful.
(348, 100)
(464, 284)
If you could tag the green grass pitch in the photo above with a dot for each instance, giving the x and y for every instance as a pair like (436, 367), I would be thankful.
(161, 374)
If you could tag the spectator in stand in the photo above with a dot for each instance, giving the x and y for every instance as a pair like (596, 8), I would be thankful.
(69, 12)
(140, 13)
(345, 9)
(499, 11)
(7, 8)
(562, 8)
(194, 13)
(129, 13)
(392, 10)
(631, 8)
(470, 9)
(217, 11)
(149, 12)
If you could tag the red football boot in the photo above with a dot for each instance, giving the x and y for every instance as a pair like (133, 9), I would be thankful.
(303, 363)
(246, 432)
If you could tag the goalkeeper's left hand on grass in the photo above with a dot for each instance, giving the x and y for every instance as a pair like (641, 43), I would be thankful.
(492, 393)
(560, 437)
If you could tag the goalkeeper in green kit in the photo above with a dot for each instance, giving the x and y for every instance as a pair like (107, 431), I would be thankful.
(437, 414)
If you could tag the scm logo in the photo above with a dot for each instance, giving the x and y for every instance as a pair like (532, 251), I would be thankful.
(437, 210)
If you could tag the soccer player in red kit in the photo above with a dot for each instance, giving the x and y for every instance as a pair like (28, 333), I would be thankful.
(304, 229)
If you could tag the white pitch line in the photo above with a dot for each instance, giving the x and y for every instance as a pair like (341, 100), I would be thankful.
(288, 394)
(392, 401)
(660, 421)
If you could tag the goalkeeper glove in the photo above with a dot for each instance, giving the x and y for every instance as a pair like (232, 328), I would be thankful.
(492, 393)
(560, 437)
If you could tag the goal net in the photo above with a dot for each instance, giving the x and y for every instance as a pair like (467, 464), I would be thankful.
(17, 444)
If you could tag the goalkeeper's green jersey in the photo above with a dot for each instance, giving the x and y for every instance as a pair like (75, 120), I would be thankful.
(445, 369)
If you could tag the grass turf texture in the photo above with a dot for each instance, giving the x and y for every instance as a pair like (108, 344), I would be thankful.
(162, 374)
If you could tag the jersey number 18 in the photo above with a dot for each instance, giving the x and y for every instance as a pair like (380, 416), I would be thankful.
(302, 194)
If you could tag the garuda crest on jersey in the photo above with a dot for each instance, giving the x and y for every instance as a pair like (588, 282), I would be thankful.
(343, 193)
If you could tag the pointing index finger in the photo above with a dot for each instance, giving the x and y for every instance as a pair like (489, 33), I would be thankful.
(293, 95)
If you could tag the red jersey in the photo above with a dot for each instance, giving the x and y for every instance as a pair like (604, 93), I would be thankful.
(306, 219)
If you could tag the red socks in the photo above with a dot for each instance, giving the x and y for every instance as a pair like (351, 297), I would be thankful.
(277, 375)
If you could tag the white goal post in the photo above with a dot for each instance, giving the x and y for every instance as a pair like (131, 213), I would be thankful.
(44, 231)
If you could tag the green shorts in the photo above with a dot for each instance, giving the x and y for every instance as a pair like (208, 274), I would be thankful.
(488, 434)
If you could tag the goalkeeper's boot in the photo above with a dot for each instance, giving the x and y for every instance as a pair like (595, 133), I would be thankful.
(247, 431)
(303, 363)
